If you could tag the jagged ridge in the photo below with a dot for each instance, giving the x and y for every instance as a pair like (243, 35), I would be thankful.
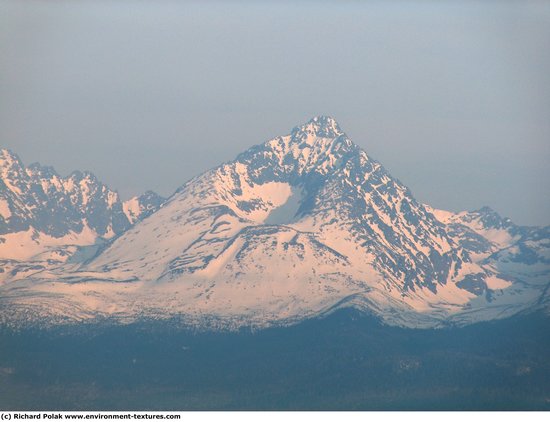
(355, 237)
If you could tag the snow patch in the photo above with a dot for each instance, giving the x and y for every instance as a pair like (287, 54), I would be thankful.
(286, 213)
(131, 209)
(5, 211)
(25, 245)
(495, 283)
(441, 215)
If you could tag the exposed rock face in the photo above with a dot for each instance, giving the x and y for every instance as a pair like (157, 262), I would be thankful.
(293, 228)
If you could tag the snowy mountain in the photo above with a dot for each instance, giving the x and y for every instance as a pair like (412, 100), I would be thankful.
(518, 253)
(293, 228)
(45, 218)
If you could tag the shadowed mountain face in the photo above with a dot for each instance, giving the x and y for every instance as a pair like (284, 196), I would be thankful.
(291, 229)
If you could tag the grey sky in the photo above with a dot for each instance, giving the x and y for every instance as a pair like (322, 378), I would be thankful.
(452, 97)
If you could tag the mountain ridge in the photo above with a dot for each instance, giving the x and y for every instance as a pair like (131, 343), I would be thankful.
(45, 219)
(357, 237)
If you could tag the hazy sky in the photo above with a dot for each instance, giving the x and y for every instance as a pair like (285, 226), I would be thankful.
(453, 98)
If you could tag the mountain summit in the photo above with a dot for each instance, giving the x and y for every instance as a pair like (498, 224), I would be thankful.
(46, 218)
(293, 228)
(321, 127)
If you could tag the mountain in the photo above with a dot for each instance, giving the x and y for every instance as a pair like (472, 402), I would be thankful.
(294, 228)
(521, 254)
(45, 218)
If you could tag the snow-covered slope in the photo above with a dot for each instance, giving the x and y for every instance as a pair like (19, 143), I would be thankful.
(519, 254)
(292, 228)
(45, 218)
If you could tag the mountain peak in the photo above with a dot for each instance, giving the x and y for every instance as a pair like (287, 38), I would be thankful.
(5, 152)
(320, 127)
(292, 228)
(8, 157)
(36, 197)
(42, 171)
(485, 210)
(324, 120)
(489, 218)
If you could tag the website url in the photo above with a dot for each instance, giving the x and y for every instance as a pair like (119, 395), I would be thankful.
(109, 416)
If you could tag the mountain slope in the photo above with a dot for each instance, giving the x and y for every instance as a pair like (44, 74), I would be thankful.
(295, 227)
(45, 217)
(519, 254)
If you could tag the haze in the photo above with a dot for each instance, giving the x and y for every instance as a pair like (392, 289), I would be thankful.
(452, 97)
